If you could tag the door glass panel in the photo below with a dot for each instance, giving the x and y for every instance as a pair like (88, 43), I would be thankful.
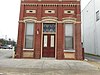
(52, 40)
(45, 40)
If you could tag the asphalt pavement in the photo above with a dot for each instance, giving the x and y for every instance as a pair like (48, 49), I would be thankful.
(92, 57)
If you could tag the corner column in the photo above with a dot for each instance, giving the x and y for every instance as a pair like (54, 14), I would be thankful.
(20, 34)
(78, 46)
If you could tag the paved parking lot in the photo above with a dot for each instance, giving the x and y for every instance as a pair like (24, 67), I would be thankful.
(10, 66)
(6, 53)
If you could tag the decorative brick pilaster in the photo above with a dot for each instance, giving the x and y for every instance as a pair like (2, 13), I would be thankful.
(37, 40)
(60, 53)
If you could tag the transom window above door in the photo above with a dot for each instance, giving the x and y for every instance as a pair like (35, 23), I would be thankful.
(49, 27)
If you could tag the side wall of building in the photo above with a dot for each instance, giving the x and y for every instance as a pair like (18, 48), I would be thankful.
(88, 25)
(91, 28)
(97, 28)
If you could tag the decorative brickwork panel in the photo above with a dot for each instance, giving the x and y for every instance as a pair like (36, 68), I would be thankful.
(28, 54)
(53, 12)
(69, 55)
(30, 11)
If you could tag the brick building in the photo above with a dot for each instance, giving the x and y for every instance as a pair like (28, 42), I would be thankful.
(49, 28)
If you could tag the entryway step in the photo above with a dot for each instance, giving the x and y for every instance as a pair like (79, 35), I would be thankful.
(47, 58)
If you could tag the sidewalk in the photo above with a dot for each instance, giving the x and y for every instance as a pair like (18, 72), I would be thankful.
(10, 66)
(46, 67)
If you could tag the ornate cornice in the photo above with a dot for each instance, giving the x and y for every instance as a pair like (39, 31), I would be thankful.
(34, 4)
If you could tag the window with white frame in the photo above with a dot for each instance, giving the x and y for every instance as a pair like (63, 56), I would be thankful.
(29, 35)
(68, 36)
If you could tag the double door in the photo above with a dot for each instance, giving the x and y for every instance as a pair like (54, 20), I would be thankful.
(48, 45)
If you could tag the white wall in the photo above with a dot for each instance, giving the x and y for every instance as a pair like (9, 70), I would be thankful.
(88, 26)
(91, 28)
(97, 7)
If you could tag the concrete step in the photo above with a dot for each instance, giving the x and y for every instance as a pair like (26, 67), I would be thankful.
(48, 58)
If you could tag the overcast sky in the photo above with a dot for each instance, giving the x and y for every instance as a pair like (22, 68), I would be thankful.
(9, 16)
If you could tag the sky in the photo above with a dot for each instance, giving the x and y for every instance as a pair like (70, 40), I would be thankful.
(9, 17)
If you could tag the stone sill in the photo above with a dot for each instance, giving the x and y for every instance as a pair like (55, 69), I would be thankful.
(29, 49)
(69, 50)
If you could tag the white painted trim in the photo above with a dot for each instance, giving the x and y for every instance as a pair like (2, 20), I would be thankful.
(50, 21)
(56, 41)
(42, 41)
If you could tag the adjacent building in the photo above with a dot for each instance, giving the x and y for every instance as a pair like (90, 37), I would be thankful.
(49, 29)
(91, 27)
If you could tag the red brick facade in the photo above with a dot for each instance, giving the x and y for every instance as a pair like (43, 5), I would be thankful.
(59, 17)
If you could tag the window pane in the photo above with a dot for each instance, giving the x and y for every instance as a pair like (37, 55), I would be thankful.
(68, 42)
(49, 27)
(68, 30)
(29, 42)
(29, 28)
(52, 40)
(45, 40)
